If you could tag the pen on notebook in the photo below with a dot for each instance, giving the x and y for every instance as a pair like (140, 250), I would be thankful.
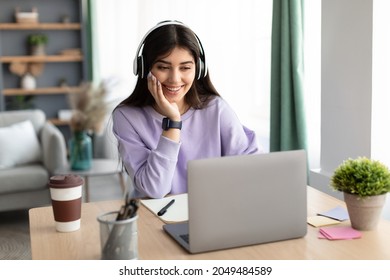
(165, 208)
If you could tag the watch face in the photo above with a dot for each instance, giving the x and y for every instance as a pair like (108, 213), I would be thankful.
(165, 123)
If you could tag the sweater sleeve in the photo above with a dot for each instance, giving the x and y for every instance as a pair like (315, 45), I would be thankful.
(236, 138)
(149, 158)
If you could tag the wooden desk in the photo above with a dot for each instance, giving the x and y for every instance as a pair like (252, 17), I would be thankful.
(154, 243)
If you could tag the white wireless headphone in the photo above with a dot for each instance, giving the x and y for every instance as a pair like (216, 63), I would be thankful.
(139, 65)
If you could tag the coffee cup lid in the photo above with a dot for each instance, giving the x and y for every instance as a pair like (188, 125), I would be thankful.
(65, 181)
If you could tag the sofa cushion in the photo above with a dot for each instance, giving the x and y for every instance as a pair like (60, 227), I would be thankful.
(19, 144)
(36, 116)
(23, 178)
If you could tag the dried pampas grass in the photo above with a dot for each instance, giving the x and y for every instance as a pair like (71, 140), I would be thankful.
(89, 108)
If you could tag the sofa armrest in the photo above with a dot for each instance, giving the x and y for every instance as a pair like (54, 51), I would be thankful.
(53, 148)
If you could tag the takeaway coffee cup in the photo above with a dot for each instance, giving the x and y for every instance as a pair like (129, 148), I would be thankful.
(66, 195)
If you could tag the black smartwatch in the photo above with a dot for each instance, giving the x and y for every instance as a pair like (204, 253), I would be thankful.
(167, 124)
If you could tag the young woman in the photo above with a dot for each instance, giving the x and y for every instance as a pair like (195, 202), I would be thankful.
(174, 114)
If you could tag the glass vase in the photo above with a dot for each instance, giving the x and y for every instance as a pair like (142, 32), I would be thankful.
(80, 149)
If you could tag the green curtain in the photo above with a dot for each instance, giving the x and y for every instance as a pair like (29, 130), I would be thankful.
(89, 38)
(288, 128)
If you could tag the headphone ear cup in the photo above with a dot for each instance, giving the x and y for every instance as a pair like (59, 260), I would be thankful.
(141, 67)
(138, 67)
(135, 66)
(200, 69)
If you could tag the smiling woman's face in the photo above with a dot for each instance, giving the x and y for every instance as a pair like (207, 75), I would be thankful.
(176, 73)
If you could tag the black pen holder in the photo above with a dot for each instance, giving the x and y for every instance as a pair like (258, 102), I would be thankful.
(118, 238)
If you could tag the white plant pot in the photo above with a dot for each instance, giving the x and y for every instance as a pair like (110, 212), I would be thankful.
(28, 82)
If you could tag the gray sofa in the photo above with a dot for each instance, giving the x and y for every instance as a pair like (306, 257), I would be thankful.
(23, 186)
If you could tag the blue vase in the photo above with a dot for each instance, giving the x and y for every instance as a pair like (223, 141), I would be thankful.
(80, 149)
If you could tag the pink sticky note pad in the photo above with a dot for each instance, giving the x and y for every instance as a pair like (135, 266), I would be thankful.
(336, 233)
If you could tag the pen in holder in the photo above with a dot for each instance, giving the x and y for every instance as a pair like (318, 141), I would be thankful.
(118, 232)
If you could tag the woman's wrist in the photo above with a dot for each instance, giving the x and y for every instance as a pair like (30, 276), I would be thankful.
(173, 134)
(176, 118)
(171, 129)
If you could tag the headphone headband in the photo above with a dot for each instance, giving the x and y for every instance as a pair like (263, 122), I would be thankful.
(139, 66)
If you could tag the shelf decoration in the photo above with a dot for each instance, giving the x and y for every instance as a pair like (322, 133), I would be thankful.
(37, 43)
(28, 81)
(89, 111)
(65, 18)
(90, 108)
(80, 151)
(71, 52)
(26, 17)
(28, 72)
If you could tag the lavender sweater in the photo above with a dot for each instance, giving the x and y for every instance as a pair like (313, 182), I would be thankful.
(157, 165)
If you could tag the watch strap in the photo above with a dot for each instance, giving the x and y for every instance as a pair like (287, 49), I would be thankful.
(168, 124)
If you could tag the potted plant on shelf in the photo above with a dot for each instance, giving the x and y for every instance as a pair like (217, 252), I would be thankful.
(37, 43)
(365, 183)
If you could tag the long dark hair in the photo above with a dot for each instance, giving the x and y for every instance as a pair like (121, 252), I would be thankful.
(160, 42)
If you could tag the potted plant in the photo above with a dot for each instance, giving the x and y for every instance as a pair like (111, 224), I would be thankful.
(365, 183)
(37, 43)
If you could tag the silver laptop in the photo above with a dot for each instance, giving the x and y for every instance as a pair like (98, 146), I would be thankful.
(244, 200)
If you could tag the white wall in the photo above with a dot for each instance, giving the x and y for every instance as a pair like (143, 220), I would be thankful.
(346, 88)
(346, 59)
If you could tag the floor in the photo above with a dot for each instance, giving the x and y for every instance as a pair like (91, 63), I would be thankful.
(14, 225)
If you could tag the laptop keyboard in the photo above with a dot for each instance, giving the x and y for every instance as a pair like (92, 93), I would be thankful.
(185, 237)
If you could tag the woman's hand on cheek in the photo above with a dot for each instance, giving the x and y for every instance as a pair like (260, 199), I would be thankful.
(170, 110)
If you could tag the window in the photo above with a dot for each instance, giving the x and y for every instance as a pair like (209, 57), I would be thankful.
(312, 83)
(380, 139)
(236, 36)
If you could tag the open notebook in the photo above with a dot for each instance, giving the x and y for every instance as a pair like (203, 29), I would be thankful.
(178, 212)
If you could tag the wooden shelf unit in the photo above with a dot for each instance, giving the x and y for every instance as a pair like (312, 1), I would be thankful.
(41, 58)
(40, 26)
(65, 59)
(40, 91)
